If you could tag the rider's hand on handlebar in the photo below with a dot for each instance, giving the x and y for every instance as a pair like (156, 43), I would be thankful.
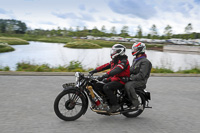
(102, 77)
(92, 72)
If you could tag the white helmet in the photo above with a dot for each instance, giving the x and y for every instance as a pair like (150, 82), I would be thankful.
(117, 49)
(138, 48)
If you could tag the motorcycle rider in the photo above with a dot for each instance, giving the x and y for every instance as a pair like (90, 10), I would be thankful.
(119, 68)
(140, 72)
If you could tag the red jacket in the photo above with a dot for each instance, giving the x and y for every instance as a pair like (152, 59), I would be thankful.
(118, 69)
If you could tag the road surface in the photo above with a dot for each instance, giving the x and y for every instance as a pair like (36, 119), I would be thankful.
(26, 106)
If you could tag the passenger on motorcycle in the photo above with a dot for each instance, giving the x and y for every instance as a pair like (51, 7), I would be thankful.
(140, 72)
(119, 68)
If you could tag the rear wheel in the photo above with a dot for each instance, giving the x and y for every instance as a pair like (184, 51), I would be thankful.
(69, 105)
(140, 109)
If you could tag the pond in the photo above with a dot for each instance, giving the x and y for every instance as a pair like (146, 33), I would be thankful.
(55, 54)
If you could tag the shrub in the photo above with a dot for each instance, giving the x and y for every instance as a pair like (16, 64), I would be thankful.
(25, 66)
(74, 65)
(6, 68)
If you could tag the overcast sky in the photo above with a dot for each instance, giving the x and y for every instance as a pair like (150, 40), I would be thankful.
(49, 14)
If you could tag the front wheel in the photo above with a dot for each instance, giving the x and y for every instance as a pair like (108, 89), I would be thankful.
(140, 109)
(69, 105)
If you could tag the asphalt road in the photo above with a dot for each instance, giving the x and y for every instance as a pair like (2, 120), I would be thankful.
(26, 106)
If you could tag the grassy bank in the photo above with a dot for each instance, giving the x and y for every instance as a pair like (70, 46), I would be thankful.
(82, 45)
(55, 39)
(13, 41)
(4, 47)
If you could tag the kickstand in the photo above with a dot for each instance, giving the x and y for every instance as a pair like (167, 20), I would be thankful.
(147, 106)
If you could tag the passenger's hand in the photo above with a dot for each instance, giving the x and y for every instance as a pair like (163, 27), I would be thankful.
(125, 79)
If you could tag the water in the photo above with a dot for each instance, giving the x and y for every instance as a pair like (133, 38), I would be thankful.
(55, 54)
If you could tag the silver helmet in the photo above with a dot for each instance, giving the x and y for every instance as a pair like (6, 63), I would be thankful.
(117, 50)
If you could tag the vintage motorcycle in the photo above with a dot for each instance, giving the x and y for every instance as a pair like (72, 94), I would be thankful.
(73, 101)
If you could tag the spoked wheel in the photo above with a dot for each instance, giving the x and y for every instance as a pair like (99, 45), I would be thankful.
(138, 111)
(69, 105)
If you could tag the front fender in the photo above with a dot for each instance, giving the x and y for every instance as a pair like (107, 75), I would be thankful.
(68, 86)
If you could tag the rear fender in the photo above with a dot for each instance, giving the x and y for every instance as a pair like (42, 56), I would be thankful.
(146, 94)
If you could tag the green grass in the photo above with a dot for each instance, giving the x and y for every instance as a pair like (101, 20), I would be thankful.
(103, 43)
(82, 45)
(4, 47)
(161, 70)
(13, 41)
(74, 66)
(195, 70)
(55, 39)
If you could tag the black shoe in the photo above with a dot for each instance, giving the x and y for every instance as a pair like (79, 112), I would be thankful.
(135, 106)
(132, 107)
(113, 108)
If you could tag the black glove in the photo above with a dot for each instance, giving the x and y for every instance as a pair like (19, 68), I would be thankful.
(102, 77)
(92, 72)
(125, 79)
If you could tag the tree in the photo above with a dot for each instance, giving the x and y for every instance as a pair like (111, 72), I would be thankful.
(12, 26)
(78, 34)
(139, 32)
(103, 30)
(21, 27)
(84, 31)
(2, 26)
(113, 30)
(153, 32)
(95, 31)
(124, 31)
(59, 31)
(77, 29)
(70, 32)
(85, 28)
(188, 28)
(70, 29)
(168, 31)
(65, 31)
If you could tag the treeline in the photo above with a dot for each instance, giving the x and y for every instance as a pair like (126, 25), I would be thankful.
(18, 27)
(12, 26)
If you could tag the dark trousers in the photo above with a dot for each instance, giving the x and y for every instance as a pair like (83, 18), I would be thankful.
(109, 89)
(130, 89)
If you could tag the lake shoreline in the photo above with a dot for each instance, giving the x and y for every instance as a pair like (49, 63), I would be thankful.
(55, 55)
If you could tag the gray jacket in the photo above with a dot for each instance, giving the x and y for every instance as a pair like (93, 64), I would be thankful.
(140, 70)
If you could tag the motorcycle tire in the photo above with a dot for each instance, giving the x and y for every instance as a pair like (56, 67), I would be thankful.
(136, 113)
(68, 101)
